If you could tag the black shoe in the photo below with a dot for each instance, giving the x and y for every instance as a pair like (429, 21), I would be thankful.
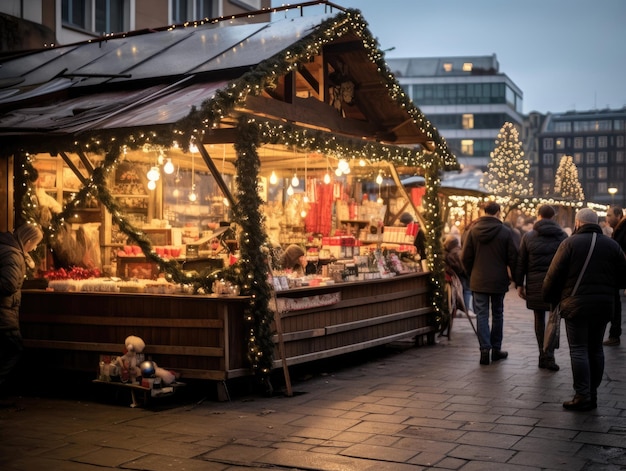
(551, 365)
(484, 357)
(498, 355)
(611, 342)
(580, 403)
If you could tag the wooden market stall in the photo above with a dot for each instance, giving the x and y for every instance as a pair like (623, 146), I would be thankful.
(228, 107)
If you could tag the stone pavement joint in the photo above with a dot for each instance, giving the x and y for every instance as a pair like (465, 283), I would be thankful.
(396, 408)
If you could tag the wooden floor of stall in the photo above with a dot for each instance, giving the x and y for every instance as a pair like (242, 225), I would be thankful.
(204, 337)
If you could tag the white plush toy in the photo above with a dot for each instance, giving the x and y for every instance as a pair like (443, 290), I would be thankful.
(129, 362)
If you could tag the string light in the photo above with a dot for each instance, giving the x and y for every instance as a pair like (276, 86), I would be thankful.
(168, 168)
(273, 178)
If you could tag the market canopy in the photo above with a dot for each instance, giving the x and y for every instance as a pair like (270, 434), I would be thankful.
(290, 69)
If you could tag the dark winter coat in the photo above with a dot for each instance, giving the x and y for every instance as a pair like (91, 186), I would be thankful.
(488, 253)
(12, 272)
(619, 233)
(602, 278)
(452, 256)
(536, 251)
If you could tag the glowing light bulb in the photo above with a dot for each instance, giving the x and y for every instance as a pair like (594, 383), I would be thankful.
(151, 184)
(362, 163)
(176, 193)
(380, 200)
(379, 179)
(226, 202)
(273, 178)
(295, 181)
(168, 167)
(327, 178)
(305, 199)
(290, 191)
(344, 166)
(192, 194)
(153, 174)
(303, 213)
(338, 172)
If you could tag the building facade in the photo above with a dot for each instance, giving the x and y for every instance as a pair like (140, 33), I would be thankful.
(466, 98)
(596, 142)
(72, 21)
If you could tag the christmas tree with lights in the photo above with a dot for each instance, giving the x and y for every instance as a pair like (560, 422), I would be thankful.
(507, 171)
(566, 183)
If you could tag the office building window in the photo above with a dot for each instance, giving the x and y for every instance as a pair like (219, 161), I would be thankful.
(603, 188)
(603, 157)
(602, 173)
(548, 159)
(548, 174)
(99, 16)
(578, 158)
(578, 143)
(591, 173)
(548, 143)
(603, 141)
(189, 10)
(619, 157)
(467, 147)
(109, 16)
(590, 142)
(546, 188)
(447, 67)
(618, 125)
(590, 158)
(75, 13)
(560, 143)
(619, 173)
(563, 126)
(468, 121)
(467, 67)
(619, 141)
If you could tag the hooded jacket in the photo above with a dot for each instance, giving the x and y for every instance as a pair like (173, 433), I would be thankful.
(619, 233)
(536, 251)
(487, 255)
(12, 272)
(602, 278)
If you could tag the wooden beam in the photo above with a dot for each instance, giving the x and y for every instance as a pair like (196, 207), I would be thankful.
(71, 165)
(216, 174)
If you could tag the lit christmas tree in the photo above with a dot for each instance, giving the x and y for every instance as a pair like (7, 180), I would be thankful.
(566, 183)
(507, 171)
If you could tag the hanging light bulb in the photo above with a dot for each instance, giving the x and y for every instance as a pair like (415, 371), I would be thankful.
(226, 202)
(151, 184)
(303, 213)
(379, 179)
(193, 148)
(160, 158)
(380, 200)
(327, 178)
(168, 167)
(305, 199)
(362, 163)
(273, 178)
(338, 172)
(153, 174)
(290, 191)
(192, 195)
(295, 181)
(176, 193)
(344, 166)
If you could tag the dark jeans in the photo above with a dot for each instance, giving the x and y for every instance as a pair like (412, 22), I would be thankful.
(489, 338)
(11, 348)
(585, 335)
(616, 322)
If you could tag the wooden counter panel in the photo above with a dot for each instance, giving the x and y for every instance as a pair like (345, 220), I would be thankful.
(205, 337)
(198, 336)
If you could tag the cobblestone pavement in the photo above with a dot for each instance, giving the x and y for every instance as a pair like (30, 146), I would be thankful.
(404, 408)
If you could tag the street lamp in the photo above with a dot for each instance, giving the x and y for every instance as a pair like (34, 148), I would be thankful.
(612, 190)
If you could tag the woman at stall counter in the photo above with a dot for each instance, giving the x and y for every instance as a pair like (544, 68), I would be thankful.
(294, 259)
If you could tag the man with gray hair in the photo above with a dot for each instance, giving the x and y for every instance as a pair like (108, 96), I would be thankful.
(585, 272)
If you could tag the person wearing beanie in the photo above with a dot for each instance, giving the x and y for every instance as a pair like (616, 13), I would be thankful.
(14, 259)
(588, 311)
(294, 258)
(536, 251)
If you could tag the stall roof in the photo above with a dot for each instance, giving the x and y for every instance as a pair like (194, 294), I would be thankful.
(152, 78)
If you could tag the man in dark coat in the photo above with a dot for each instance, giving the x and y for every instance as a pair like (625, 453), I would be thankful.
(589, 310)
(489, 255)
(14, 259)
(615, 219)
(535, 254)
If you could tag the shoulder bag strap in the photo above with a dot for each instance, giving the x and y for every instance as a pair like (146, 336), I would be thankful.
(582, 272)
